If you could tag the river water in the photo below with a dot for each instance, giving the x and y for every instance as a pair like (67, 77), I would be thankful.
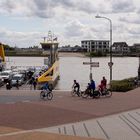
(72, 68)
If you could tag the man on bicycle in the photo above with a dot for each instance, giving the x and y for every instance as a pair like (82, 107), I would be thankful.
(76, 87)
(46, 87)
(92, 86)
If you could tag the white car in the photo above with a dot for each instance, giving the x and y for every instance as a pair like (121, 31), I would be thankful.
(6, 75)
(18, 77)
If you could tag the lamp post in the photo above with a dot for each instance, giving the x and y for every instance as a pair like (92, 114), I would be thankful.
(139, 69)
(110, 63)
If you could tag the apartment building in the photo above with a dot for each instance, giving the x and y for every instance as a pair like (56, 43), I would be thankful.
(95, 45)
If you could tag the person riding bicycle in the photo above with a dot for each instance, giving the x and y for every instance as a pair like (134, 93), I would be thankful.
(46, 87)
(76, 87)
(102, 86)
(92, 86)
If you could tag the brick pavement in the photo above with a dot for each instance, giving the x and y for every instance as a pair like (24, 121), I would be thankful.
(64, 109)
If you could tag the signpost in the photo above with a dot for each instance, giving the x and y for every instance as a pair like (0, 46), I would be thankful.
(92, 64)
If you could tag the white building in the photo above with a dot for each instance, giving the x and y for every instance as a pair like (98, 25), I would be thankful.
(95, 45)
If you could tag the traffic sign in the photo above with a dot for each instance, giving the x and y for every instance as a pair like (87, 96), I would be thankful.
(110, 64)
(95, 65)
(91, 63)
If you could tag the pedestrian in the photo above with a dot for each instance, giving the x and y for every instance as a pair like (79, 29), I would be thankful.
(17, 84)
(31, 82)
(8, 85)
(35, 83)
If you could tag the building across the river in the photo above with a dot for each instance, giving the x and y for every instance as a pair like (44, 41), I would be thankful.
(95, 45)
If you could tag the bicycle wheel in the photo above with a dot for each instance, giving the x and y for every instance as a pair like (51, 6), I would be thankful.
(80, 93)
(49, 96)
(42, 95)
(84, 94)
(73, 92)
(108, 93)
(96, 94)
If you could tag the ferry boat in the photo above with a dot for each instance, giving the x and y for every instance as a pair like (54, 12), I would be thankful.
(2, 58)
(51, 60)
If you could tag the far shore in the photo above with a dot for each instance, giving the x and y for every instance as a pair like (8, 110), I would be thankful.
(71, 54)
(60, 54)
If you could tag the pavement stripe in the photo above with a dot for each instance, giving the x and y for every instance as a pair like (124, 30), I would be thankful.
(59, 130)
(134, 118)
(106, 135)
(138, 113)
(129, 125)
(88, 134)
(65, 132)
(74, 132)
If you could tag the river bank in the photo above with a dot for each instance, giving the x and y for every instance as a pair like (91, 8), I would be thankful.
(71, 54)
(67, 54)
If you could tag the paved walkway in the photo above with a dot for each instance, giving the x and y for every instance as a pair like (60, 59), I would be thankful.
(123, 126)
(65, 109)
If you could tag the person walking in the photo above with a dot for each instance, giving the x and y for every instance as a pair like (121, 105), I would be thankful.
(17, 84)
(35, 83)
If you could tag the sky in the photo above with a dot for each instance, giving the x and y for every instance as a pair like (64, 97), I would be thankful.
(24, 23)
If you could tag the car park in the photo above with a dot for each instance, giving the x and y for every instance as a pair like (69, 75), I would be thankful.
(6, 75)
(18, 77)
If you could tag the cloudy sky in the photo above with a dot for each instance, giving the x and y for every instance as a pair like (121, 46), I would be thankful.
(24, 22)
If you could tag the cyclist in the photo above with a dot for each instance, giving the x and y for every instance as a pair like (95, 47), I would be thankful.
(46, 87)
(76, 87)
(102, 86)
(92, 86)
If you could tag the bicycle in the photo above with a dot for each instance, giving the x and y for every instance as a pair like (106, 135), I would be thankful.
(106, 92)
(75, 92)
(89, 93)
(46, 94)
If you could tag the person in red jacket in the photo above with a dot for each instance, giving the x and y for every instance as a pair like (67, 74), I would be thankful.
(103, 84)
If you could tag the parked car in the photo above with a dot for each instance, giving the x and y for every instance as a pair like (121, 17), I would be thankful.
(6, 75)
(24, 73)
(1, 82)
(18, 77)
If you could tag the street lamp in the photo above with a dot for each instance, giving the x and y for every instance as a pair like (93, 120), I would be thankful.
(110, 63)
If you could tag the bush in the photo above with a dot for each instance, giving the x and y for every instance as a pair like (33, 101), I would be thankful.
(123, 85)
(96, 54)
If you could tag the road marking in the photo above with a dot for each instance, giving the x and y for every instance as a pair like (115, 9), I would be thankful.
(88, 134)
(99, 124)
(26, 101)
(10, 102)
(74, 132)
(129, 125)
